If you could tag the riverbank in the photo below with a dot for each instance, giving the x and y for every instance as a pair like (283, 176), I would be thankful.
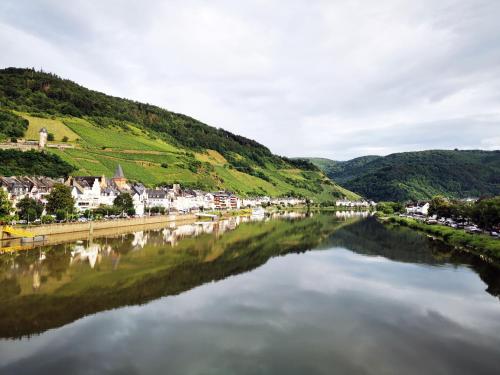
(480, 244)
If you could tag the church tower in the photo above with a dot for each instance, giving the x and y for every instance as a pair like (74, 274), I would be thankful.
(119, 178)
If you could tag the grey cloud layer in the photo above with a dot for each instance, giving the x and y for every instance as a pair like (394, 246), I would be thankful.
(327, 78)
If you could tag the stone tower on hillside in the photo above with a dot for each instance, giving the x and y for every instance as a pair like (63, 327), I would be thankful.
(119, 178)
(43, 138)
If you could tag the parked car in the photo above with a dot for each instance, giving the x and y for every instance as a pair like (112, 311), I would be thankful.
(473, 229)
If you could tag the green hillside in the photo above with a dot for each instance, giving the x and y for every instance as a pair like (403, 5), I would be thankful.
(153, 145)
(419, 175)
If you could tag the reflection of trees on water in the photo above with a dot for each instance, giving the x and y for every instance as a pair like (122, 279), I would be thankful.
(69, 281)
(54, 260)
(152, 274)
(369, 237)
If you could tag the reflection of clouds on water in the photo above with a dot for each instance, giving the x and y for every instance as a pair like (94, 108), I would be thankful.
(94, 251)
(319, 312)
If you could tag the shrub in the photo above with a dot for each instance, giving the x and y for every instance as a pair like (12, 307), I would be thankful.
(47, 219)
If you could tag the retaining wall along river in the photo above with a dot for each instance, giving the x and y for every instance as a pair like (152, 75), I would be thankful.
(51, 229)
(57, 233)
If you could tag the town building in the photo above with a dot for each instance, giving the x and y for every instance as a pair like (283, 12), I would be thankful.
(226, 201)
(421, 208)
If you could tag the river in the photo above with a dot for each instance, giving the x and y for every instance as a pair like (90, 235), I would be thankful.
(291, 294)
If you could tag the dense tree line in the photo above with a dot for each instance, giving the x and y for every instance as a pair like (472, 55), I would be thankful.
(301, 163)
(12, 125)
(32, 163)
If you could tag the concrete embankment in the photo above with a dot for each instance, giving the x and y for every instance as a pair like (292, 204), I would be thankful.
(45, 230)
(57, 233)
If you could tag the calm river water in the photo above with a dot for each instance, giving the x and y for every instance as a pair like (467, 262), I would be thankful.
(327, 294)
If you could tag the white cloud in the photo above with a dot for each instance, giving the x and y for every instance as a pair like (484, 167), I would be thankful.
(327, 78)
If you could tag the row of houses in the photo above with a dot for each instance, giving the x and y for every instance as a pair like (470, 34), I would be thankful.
(91, 192)
(33, 187)
(348, 203)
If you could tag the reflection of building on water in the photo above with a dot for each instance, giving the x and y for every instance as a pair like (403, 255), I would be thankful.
(140, 239)
(173, 234)
(36, 279)
(81, 254)
(350, 214)
(289, 215)
(108, 251)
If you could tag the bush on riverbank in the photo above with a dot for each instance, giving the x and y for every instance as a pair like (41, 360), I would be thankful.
(481, 243)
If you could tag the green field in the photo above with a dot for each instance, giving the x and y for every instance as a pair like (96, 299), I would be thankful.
(55, 127)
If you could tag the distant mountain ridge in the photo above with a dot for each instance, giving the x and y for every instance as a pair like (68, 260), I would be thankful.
(154, 145)
(418, 175)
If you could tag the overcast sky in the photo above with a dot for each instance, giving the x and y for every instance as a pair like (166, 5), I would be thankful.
(336, 79)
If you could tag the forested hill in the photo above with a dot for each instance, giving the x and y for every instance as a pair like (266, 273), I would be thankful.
(343, 170)
(153, 145)
(418, 175)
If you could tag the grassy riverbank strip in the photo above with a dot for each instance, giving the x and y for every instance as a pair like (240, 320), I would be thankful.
(481, 244)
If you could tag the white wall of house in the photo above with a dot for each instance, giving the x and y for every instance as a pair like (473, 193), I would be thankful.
(87, 198)
(139, 201)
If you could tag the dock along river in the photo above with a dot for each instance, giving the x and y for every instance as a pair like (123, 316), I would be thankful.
(328, 293)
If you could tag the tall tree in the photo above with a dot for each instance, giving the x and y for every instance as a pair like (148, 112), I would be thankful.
(60, 199)
(29, 209)
(5, 204)
(124, 203)
(486, 213)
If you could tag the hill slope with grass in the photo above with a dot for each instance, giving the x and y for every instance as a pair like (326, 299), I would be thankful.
(154, 146)
(418, 175)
